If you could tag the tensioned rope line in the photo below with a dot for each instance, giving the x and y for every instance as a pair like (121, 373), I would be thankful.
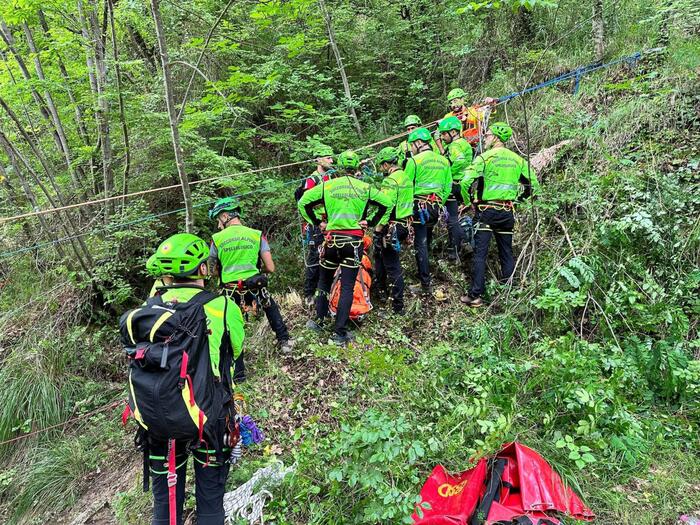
(192, 183)
(116, 227)
(65, 423)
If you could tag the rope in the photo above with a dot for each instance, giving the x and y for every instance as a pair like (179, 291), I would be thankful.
(577, 73)
(116, 228)
(244, 503)
(192, 183)
(71, 420)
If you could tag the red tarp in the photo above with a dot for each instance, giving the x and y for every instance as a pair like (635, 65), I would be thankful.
(528, 487)
(452, 499)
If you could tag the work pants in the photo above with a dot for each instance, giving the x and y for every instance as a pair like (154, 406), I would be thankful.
(388, 269)
(454, 232)
(312, 261)
(344, 252)
(423, 235)
(497, 223)
(274, 317)
(210, 484)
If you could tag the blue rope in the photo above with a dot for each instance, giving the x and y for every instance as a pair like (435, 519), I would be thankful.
(577, 73)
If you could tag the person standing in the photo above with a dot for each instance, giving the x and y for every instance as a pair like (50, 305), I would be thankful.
(240, 257)
(497, 175)
(346, 201)
(459, 154)
(392, 230)
(431, 177)
(314, 237)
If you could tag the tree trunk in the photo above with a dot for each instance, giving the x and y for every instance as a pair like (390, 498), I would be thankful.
(10, 42)
(81, 255)
(120, 97)
(55, 117)
(14, 199)
(102, 113)
(341, 67)
(172, 116)
(598, 30)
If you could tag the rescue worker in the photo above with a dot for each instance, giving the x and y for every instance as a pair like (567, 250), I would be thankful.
(471, 117)
(314, 237)
(410, 123)
(459, 154)
(183, 257)
(154, 270)
(346, 200)
(392, 230)
(498, 174)
(431, 177)
(237, 256)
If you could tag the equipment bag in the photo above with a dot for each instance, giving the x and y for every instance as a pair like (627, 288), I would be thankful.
(173, 392)
(361, 304)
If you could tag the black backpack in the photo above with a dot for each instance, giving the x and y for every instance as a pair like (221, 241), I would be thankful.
(173, 393)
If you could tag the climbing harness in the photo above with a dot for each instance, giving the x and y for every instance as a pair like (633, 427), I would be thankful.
(497, 205)
(256, 286)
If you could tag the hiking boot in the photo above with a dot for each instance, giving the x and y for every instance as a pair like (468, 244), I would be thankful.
(472, 302)
(287, 346)
(314, 326)
(341, 340)
(421, 289)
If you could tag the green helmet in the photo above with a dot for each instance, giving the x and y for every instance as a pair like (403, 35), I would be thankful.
(153, 267)
(456, 93)
(449, 124)
(419, 134)
(322, 150)
(388, 154)
(229, 204)
(181, 255)
(349, 160)
(502, 130)
(412, 120)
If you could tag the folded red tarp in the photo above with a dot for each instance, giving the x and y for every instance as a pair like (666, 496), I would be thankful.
(451, 499)
(518, 486)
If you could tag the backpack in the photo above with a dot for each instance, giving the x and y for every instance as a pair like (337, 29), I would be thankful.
(173, 393)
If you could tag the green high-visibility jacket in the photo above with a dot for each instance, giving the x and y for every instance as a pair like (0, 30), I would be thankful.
(346, 200)
(459, 153)
(399, 190)
(238, 250)
(405, 151)
(499, 173)
(430, 173)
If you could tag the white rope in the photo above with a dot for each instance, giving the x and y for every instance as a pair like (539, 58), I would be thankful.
(248, 500)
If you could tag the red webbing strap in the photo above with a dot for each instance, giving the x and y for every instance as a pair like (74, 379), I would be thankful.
(125, 414)
(189, 383)
(183, 366)
(172, 483)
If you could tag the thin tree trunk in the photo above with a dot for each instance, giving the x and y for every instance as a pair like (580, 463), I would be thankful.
(102, 112)
(341, 67)
(122, 115)
(10, 42)
(598, 30)
(172, 116)
(14, 199)
(79, 118)
(55, 117)
(67, 226)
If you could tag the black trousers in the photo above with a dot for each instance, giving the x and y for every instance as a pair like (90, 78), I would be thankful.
(497, 223)
(210, 484)
(423, 235)
(387, 267)
(454, 232)
(344, 252)
(312, 262)
(274, 317)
